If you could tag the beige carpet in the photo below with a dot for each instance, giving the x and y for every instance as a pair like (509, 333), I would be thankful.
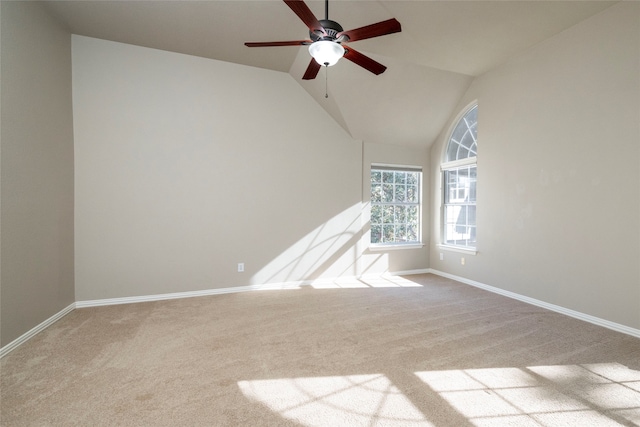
(413, 351)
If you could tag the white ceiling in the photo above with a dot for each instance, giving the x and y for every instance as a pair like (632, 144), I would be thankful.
(442, 46)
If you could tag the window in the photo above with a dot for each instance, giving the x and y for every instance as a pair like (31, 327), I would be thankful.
(459, 183)
(395, 205)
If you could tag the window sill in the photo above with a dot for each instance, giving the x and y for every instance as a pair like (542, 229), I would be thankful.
(396, 247)
(457, 249)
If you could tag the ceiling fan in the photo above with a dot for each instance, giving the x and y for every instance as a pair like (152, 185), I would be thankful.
(328, 40)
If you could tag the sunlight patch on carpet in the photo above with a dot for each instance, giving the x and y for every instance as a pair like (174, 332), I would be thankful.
(605, 394)
(374, 281)
(354, 400)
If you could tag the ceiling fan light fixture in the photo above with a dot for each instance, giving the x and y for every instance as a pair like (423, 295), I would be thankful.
(326, 52)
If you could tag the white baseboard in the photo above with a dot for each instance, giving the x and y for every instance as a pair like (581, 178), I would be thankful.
(235, 289)
(189, 294)
(31, 333)
(409, 272)
(558, 309)
(295, 285)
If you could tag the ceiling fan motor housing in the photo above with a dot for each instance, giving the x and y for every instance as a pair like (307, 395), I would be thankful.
(332, 28)
(327, 38)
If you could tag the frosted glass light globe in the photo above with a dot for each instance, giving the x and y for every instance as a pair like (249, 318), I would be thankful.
(326, 52)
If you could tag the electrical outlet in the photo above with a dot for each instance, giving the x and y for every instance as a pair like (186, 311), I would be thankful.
(441, 256)
(462, 260)
(241, 267)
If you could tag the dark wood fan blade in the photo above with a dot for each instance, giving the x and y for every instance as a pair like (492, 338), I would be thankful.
(383, 28)
(304, 13)
(285, 43)
(364, 61)
(312, 70)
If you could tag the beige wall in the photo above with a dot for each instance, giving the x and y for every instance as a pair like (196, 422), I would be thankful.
(187, 166)
(37, 169)
(559, 171)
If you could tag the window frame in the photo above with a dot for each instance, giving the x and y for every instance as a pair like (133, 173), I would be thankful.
(453, 165)
(419, 204)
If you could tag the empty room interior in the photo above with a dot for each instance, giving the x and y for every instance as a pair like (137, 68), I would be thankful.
(206, 222)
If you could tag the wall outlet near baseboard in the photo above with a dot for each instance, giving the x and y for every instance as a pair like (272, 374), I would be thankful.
(241, 267)
(441, 256)
(462, 260)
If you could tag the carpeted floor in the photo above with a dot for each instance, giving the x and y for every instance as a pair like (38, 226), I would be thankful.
(414, 351)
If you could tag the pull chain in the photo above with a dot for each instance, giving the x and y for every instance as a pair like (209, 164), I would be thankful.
(326, 79)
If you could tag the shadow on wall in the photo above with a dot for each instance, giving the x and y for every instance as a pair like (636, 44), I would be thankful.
(334, 249)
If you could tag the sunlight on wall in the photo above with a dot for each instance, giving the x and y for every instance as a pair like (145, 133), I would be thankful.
(586, 395)
(334, 249)
(329, 249)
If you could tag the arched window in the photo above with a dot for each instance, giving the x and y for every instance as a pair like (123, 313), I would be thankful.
(463, 141)
(459, 174)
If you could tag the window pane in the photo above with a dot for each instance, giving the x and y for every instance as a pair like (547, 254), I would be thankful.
(376, 193)
(412, 193)
(401, 177)
(400, 192)
(388, 214)
(388, 234)
(412, 232)
(472, 192)
(461, 221)
(401, 233)
(472, 115)
(463, 153)
(449, 234)
(387, 177)
(400, 214)
(376, 176)
(452, 150)
(376, 233)
(412, 214)
(471, 215)
(387, 190)
(459, 131)
(376, 214)
(472, 237)
(463, 175)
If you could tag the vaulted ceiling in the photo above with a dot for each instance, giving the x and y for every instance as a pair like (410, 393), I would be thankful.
(442, 47)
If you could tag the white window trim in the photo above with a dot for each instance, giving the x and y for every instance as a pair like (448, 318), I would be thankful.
(374, 247)
(458, 163)
(459, 249)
